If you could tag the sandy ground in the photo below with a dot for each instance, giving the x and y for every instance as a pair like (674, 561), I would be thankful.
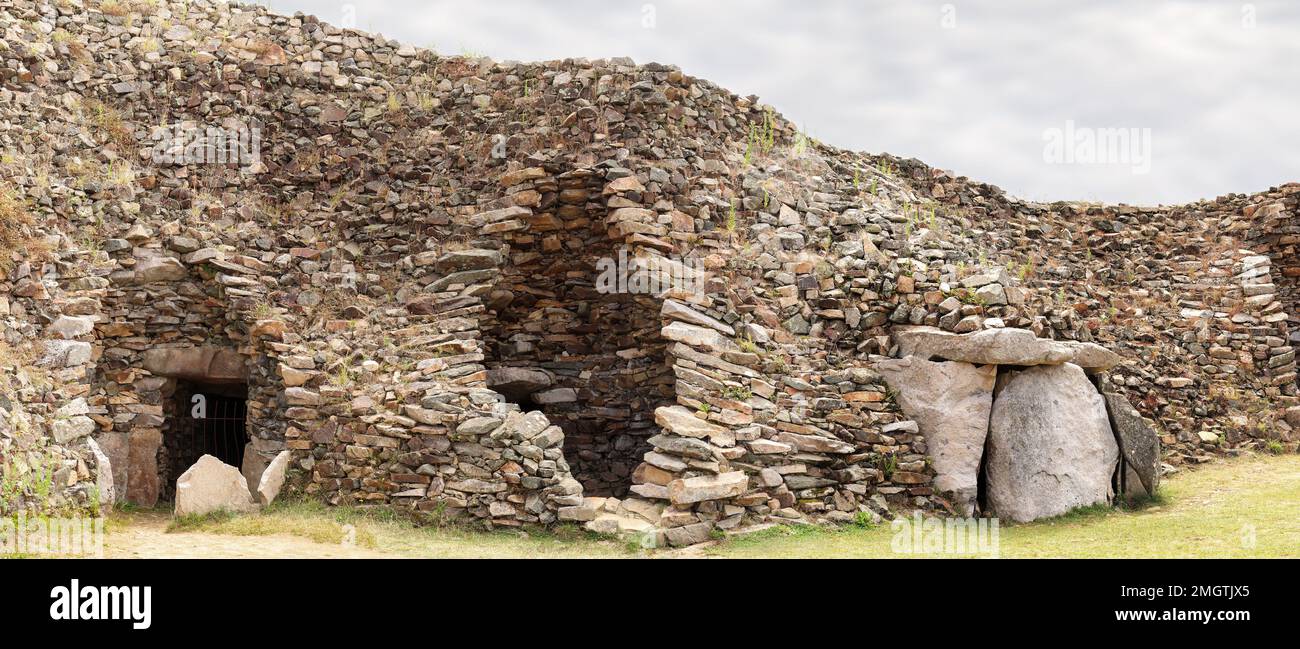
(147, 538)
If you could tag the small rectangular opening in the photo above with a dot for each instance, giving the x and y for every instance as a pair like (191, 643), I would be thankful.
(204, 419)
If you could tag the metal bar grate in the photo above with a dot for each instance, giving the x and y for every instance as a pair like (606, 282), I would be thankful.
(220, 434)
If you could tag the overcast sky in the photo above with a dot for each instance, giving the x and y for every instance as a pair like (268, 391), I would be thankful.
(983, 88)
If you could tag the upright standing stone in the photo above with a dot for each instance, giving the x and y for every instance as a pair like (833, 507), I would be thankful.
(253, 466)
(103, 474)
(1139, 444)
(1051, 449)
(142, 467)
(272, 479)
(950, 402)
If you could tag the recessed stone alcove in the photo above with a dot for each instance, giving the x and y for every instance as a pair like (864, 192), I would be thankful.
(593, 362)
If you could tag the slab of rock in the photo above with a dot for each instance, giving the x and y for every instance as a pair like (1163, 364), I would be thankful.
(1293, 417)
(71, 327)
(1139, 444)
(72, 428)
(461, 260)
(674, 310)
(252, 467)
(142, 484)
(103, 474)
(116, 448)
(1001, 347)
(65, 353)
(556, 396)
(212, 485)
(815, 443)
(1051, 449)
(159, 269)
(680, 421)
(206, 364)
(950, 403)
(694, 336)
(706, 488)
(272, 479)
(688, 535)
(518, 382)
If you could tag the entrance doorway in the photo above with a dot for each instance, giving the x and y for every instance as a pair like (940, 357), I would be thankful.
(206, 419)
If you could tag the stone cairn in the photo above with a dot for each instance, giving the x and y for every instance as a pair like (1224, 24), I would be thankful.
(405, 280)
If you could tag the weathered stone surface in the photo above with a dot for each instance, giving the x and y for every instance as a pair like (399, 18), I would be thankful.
(461, 260)
(1051, 449)
(159, 269)
(674, 310)
(815, 443)
(558, 395)
(688, 535)
(705, 488)
(142, 484)
(272, 479)
(517, 382)
(1000, 347)
(580, 513)
(104, 484)
(479, 426)
(116, 447)
(355, 285)
(208, 364)
(71, 428)
(210, 486)
(681, 421)
(253, 465)
(65, 353)
(71, 327)
(1138, 443)
(696, 336)
(950, 403)
(685, 447)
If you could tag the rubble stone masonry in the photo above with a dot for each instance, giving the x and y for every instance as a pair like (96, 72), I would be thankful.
(408, 278)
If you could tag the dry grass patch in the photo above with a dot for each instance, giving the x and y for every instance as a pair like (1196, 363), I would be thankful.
(16, 224)
(107, 120)
(387, 532)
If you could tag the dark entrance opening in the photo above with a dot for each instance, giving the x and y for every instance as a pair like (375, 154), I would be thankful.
(205, 419)
(525, 403)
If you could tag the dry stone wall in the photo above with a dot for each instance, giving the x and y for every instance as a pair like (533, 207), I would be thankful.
(408, 268)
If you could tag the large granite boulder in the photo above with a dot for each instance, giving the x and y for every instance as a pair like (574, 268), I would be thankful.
(1051, 449)
(950, 403)
(1139, 444)
(210, 486)
(1001, 347)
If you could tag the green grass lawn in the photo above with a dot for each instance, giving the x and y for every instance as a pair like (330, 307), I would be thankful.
(1242, 508)
(1248, 507)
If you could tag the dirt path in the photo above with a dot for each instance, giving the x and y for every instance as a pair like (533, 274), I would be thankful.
(146, 537)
